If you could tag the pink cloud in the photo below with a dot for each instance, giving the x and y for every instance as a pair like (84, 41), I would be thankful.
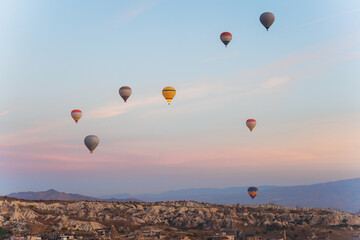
(31, 134)
(275, 81)
(116, 108)
(4, 113)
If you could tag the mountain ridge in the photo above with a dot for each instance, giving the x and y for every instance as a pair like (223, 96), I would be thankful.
(52, 194)
(341, 195)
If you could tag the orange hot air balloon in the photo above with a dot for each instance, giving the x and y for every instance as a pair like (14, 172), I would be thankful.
(252, 191)
(226, 37)
(251, 123)
(76, 114)
(169, 94)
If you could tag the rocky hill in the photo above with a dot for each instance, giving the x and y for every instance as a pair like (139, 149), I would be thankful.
(200, 220)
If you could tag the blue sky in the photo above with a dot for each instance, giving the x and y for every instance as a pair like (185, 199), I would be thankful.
(300, 81)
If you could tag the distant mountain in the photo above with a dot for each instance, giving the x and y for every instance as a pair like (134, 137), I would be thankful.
(341, 195)
(55, 195)
(50, 195)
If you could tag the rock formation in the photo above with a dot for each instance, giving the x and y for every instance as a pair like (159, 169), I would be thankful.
(100, 216)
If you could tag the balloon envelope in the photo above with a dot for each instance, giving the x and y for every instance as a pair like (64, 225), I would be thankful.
(76, 114)
(251, 123)
(91, 142)
(125, 92)
(225, 37)
(169, 93)
(252, 191)
(267, 19)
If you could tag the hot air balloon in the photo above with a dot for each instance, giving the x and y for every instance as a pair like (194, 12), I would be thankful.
(76, 114)
(252, 191)
(226, 37)
(169, 93)
(251, 123)
(91, 142)
(267, 19)
(125, 92)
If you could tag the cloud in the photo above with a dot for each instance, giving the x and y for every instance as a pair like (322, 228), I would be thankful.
(133, 13)
(273, 82)
(47, 157)
(330, 17)
(188, 91)
(297, 66)
(116, 108)
(199, 89)
(109, 111)
(320, 50)
(3, 113)
(351, 56)
(32, 134)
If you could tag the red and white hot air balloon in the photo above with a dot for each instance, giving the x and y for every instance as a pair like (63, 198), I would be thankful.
(251, 123)
(76, 114)
(226, 37)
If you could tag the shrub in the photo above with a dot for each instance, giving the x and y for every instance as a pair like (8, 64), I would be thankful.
(4, 231)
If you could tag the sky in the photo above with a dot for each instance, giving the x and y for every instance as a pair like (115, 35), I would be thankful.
(300, 81)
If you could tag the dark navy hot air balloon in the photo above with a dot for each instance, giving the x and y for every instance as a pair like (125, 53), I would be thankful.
(252, 191)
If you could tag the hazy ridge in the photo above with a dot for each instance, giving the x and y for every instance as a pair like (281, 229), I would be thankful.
(339, 195)
(342, 195)
(55, 195)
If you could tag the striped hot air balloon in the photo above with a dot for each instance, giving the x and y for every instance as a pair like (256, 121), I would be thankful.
(125, 92)
(226, 37)
(251, 123)
(76, 114)
(169, 93)
(252, 191)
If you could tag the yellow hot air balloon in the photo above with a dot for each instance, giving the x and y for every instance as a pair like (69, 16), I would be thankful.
(169, 93)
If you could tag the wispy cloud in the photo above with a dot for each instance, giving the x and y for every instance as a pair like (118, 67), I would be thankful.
(33, 133)
(351, 56)
(136, 11)
(331, 17)
(3, 113)
(199, 89)
(116, 108)
(298, 66)
(273, 82)
(109, 111)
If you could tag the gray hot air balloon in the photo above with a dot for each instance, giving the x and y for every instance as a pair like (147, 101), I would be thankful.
(267, 19)
(125, 92)
(91, 142)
